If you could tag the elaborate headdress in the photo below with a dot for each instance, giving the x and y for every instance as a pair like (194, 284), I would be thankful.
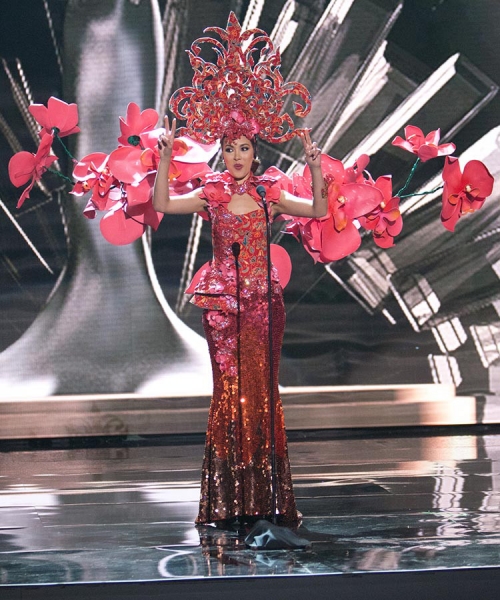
(240, 94)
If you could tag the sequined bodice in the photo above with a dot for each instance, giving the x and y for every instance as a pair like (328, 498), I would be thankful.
(216, 288)
(249, 230)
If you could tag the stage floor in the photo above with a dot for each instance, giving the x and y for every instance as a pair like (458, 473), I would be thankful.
(421, 500)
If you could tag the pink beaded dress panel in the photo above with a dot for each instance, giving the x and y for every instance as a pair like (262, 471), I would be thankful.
(236, 475)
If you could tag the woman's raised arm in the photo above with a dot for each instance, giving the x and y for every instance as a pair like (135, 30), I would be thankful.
(162, 200)
(299, 207)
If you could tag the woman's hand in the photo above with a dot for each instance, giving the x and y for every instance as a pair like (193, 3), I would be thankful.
(301, 207)
(311, 150)
(166, 140)
(162, 200)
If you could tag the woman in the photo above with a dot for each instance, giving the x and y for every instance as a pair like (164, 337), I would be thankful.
(236, 479)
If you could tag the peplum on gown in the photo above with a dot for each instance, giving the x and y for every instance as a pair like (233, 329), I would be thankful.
(236, 473)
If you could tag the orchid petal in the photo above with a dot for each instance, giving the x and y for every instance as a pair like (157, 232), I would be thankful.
(281, 260)
(395, 228)
(136, 122)
(452, 176)
(25, 194)
(426, 152)
(145, 213)
(433, 137)
(331, 167)
(361, 199)
(64, 116)
(141, 192)
(399, 142)
(58, 114)
(445, 149)
(189, 171)
(90, 211)
(119, 230)
(450, 223)
(284, 181)
(384, 241)
(337, 245)
(384, 184)
(95, 160)
(412, 131)
(126, 165)
(477, 175)
(197, 152)
(21, 167)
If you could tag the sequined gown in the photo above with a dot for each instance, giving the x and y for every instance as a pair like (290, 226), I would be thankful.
(236, 475)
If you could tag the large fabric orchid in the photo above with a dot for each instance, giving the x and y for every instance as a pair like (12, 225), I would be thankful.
(25, 166)
(385, 221)
(135, 123)
(122, 182)
(463, 192)
(93, 175)
(424, 146)
(57, 117)
(349, 196)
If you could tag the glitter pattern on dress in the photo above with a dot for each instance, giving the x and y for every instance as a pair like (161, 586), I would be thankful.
(236, 475)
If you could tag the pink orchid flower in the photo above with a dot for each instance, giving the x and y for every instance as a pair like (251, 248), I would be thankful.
(350, 196)
(25, 166)
(463, 192)
(128, 206)
(133, 169)
(135, 123)
(424, 146)
(58, 115)
(92, 174)
(385, 221)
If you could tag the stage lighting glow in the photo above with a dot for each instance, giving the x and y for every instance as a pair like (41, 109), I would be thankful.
(449, 335)
(285, 27)
(27, 388)
(445, 369)
(487, 341)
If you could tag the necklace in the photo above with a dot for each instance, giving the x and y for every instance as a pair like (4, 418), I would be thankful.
(241, 188)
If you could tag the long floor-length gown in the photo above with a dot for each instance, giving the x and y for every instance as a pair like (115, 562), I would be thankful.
(236, 476)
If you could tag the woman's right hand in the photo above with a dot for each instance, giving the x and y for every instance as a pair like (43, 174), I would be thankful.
(166, 140)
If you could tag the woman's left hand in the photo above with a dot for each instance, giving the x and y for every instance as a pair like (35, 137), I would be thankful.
(311, 150)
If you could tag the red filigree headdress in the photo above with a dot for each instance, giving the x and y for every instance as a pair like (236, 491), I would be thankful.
(240, 94)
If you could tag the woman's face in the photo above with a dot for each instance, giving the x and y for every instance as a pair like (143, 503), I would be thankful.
(238, 156)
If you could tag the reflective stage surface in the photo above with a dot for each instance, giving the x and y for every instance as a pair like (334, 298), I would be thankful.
(371, 503)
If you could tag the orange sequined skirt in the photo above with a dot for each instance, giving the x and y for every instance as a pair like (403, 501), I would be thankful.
(236, 475)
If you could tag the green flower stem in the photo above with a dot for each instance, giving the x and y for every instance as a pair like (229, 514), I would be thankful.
(410, 177)
(56, 134)
(440, 187)
(59, 174)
